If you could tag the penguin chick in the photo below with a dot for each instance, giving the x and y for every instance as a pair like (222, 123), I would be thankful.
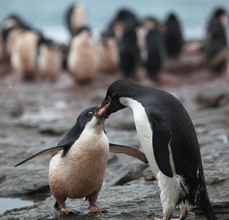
(13, 20)
(77, 167)
(49, 59)
(108, 50)
(169, 141)
(11, 27)
(24, 55)
(76, 18)
(83, 60)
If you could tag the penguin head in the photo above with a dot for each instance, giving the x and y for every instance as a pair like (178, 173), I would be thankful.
(118, 89)
(92, 116)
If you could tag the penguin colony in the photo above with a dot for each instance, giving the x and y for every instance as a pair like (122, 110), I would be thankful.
(125, 45)
(164, 128)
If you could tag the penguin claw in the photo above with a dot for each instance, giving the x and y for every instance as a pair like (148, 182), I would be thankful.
(95, 210)
(68, 211)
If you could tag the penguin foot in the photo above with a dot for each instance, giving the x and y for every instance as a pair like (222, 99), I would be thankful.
(69, 211)
(96, 209)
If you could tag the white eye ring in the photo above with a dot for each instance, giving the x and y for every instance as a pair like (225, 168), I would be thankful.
(109, 98)
(90, 113)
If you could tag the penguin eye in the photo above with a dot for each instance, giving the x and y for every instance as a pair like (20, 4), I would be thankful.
(109, 98)
(90, 114)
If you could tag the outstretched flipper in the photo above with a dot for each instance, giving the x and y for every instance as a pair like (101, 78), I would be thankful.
(161, 141)
(47, 151)
(121, 149)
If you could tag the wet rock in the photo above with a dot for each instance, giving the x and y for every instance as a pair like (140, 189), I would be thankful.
(131, 171)
(148, 175)
(209, 98)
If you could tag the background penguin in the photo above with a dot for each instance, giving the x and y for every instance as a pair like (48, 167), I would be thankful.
(124, 25)
(173, 36)
(108, 50)
(216, 39)
(49, 59)
(169, 141)
(123, 20)
(129, 53)
(11, 27)
(77, 169)
(154, 48)
(24, 55)
(76, 18)
(1, 48)
(83, 60)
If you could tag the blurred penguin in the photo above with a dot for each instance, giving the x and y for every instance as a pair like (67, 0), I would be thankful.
(173, 36)
(49, 59)
(12, 27)
(76, 18)
(83, 59)
(153, 51)
(24, 55)
(124, 20)
(1, 48)
(13, 21)
(216, 40)
(124, 25)
(108, 50)
(129, 53)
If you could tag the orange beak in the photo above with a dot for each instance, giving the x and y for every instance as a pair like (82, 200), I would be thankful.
(102, 110)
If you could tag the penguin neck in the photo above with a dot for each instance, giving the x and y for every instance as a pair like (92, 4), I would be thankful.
(95, 126)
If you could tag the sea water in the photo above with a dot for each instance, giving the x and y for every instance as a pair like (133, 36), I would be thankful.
(49, 16)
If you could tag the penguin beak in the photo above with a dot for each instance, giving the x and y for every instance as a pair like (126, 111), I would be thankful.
(101, 111)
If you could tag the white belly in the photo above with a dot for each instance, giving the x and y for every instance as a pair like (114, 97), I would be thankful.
(81, 171)
(144, 131)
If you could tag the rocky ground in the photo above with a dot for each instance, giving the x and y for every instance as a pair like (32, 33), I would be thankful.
(34, 116)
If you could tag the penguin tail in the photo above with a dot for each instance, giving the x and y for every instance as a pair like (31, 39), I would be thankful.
(204, 203)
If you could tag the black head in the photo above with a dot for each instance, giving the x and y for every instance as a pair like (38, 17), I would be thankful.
(219, 12)
(118, 89)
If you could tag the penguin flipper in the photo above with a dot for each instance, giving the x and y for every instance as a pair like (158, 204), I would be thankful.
(161, 140)
(122, 149)
(47, 151)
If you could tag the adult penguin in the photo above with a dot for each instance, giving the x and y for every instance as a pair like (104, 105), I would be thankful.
(154, 47)
(173, 36)
(129, 53)
(216, 40)
(169, 141)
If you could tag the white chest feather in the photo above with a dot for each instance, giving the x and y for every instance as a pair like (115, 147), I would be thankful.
(81, 171)
(144, 130)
